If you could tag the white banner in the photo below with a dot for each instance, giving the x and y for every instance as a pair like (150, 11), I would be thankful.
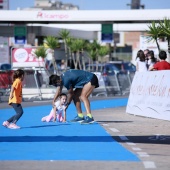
(150, 95)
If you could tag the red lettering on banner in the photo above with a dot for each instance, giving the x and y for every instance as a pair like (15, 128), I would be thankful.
(169, 92)
(153, 89)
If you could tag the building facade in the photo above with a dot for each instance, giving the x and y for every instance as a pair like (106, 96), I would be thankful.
(4, 4)
(54, 5)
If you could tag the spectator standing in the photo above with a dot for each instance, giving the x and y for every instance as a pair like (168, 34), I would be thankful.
(162, 64)
(140, 63)
(146, 53)
(151, 59)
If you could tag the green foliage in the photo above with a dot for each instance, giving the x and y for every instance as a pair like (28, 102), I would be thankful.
(104, 50)
(72, 45)
(95, 46)
(76, 44)
(41, 52)
(51, 42)
(64, 34)
(93, 49)
(69, 41)
(93, 54)
(165, 27)
(159, 30)
(154, 31)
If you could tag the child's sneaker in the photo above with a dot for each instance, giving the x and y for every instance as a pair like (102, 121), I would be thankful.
(13, 126)
(88, 120)
(43, 119)
(5, 124)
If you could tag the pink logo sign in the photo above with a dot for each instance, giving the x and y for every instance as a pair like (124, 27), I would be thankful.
(25, 57)
(44, 15)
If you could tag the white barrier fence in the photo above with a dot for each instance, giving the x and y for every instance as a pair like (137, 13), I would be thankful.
(150, 95)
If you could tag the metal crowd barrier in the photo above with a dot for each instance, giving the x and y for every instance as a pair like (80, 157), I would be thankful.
(5, 82)
(116, 84)
(36, 87)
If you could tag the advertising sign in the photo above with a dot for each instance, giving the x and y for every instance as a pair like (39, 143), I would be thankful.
(150, 95)
(25, 57)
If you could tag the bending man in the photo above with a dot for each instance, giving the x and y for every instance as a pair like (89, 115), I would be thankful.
(80, 84)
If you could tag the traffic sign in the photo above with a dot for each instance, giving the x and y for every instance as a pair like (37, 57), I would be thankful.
(20, 31)
(20, 39)
(107, 37)
(107, 33)
(107, 28)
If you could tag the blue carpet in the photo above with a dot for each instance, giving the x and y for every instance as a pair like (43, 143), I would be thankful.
(37, 140)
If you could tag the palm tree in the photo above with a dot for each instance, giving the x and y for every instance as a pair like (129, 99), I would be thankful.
(154, 33)
(64, 34)
(103, 51)
(52, 43)
(165, 30)
(94, 46)
(41, 52)
(80, 46)
(93, 51)
(83, 47)
(69, 42)
(75, 48)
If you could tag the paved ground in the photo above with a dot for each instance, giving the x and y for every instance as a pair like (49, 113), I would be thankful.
(147, 138)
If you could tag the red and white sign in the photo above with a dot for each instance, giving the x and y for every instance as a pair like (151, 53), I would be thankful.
(25, 57)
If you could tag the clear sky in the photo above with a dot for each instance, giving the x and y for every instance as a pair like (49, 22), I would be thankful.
(97, 4)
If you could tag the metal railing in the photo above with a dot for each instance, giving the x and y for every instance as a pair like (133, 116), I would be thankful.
(36, 84)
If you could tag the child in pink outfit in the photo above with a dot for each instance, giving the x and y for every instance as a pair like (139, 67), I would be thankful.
(58, 111)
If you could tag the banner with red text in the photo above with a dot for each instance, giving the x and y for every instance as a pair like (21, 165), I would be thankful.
(150, 95)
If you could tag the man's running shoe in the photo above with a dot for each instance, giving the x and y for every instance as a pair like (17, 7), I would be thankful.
(77, 119)
(88, 120)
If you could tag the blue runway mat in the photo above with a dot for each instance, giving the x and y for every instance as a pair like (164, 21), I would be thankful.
(37, 140)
